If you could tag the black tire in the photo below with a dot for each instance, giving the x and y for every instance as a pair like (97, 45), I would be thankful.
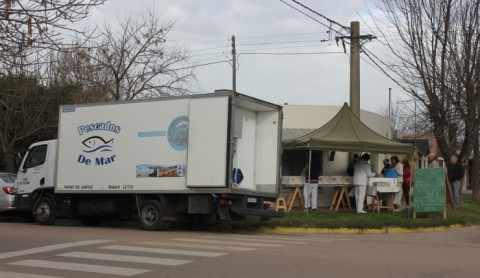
(90, 221)
(45, 212)
(151, 216)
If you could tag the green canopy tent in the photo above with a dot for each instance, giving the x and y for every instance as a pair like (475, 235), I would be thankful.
(345, 132)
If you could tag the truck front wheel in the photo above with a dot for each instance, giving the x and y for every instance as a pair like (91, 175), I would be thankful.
(45, 212)
(151, 216)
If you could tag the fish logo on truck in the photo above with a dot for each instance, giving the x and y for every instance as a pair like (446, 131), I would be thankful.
(95, 146)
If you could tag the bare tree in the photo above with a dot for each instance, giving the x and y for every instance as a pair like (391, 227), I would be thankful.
(132, 61)
(26, 109)
(435, 57)
(28, 26)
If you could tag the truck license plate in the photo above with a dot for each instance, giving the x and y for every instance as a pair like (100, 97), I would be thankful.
(251, 200)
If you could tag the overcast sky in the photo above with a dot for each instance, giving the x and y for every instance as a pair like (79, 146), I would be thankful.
(268, 27)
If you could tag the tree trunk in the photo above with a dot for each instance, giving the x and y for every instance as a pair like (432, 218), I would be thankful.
(9, 158)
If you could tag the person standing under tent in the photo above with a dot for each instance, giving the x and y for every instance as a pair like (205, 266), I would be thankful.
(407, 182)
(386, 165)
(362, 171)
(455, 175)
(432, 160)
(351, 165)
(310, 189)
(398, 167)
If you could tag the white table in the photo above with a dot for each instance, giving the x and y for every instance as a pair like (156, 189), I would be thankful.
(389, 190)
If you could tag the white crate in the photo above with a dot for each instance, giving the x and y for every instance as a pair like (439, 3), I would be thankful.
(292, 180)
(324, 180)
(336, 179)
(347, 180)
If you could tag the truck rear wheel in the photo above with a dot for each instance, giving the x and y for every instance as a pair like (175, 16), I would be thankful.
(151, 216)
(45, 211)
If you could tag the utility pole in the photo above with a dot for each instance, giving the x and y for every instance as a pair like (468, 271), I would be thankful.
(355, 68)
(355, 48)
(234, 66)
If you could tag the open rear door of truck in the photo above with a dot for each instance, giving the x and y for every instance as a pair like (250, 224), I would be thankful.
(208, 142)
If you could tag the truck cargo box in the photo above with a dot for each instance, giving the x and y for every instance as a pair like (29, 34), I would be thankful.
(213, 143)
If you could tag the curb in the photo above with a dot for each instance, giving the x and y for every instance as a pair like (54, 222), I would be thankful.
(347, 231)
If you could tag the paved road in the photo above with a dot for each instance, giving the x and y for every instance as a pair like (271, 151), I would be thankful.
(31, 251)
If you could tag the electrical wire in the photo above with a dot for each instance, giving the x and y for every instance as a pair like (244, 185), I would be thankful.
(290, 53)
(311, 17)
(326, 18)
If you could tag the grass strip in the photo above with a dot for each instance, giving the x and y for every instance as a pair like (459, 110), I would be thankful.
(468, 215)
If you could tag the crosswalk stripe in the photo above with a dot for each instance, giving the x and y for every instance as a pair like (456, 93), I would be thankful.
(199, 246)
(51, 248)
(124, 258)
(280, 241)
(22, 275)
(164, 251)
(112, 270)
(229, 242)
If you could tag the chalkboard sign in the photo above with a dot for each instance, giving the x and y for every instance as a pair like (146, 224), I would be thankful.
(429, 190)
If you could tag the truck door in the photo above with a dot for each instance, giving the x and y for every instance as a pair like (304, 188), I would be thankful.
(33, 171)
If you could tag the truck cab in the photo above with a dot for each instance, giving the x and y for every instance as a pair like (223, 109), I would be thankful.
(36, 172)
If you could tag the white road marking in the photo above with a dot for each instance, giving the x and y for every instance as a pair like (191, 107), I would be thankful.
(198, 246)
(299, 238)
(51, 248)
(267, 240)
(22, 275)
(229, 242)
(164, 251)
(112, 270)
(124, 258)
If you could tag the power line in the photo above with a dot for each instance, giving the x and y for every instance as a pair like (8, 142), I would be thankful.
(311, 17)
(200, 65)
(285, 35)
(284, 42)
(290, 53)
(321, 15)
(285, 47)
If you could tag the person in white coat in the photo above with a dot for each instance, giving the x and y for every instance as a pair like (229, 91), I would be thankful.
(310, 188)
(362, 171)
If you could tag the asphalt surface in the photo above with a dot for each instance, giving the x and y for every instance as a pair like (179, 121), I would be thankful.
(31, 251)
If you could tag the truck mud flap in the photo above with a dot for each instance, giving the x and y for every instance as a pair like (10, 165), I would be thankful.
(256, 212)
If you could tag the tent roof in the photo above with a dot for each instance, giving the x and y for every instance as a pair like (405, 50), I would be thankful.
(345, 132)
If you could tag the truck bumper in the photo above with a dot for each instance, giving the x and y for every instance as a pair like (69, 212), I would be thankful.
(256, 212)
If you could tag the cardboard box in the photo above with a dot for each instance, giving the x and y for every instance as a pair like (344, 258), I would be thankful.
(347, 180)
(336, 179)
(324, 180)
(292, 180)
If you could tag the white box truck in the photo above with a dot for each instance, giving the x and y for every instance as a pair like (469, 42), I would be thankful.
(195, 158)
